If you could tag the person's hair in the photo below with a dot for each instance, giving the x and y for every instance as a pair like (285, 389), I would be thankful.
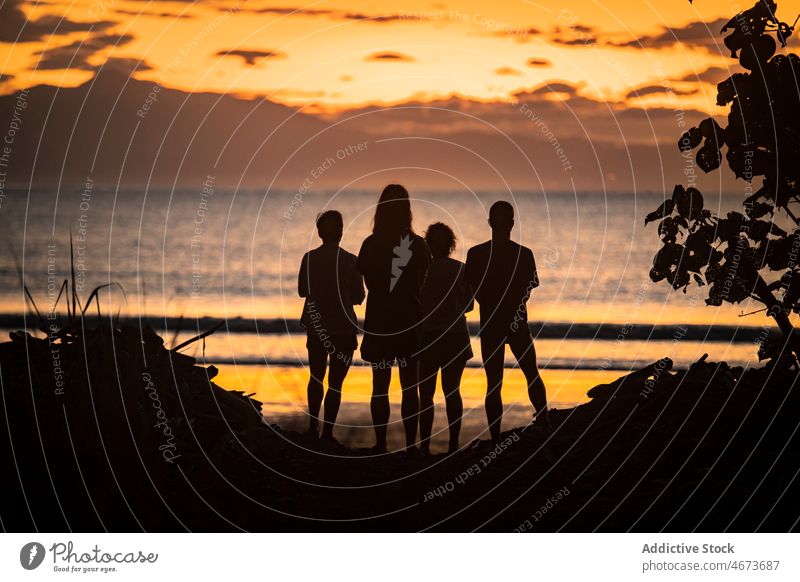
(393, 216)
(501, 215)
(330, 225)
(441, 239)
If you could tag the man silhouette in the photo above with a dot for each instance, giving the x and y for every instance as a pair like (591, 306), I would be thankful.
(503, 274)
(331, 284)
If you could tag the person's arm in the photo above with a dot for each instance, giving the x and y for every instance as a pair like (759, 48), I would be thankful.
(357, 292)
(362, 260)
(467, 294)
(302, 278)
(425, 261)
(534, 274)
(471, 275)
(531, 279)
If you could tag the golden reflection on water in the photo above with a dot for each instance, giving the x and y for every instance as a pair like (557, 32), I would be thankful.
(283, 391)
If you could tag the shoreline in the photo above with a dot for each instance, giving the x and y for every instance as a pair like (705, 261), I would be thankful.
(540, 330)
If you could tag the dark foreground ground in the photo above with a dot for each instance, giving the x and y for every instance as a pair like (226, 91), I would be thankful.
(108, 430)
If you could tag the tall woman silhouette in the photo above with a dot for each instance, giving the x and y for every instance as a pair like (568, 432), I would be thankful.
(394, 261)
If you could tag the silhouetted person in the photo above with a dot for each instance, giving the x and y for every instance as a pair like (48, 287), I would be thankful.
(446, 298)
(331, 285)
(393, 261)
(503, 275)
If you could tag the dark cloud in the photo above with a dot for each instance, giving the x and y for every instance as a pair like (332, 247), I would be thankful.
(580, 39)
(574, 35)
(252, 57)
(517, 34)
(712, 75)
(333, 14)
(15, 26)
(534, 62)
(658, 89)
(5, 78)
(288, 11)
(574, 29)
(76, 55)
(169, 15)
(378, 18)
(555, 87)
(507, 71)
(390, 56)
(126, 66)
(704, 35)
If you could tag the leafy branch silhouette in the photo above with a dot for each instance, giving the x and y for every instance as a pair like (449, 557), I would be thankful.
(732, 255)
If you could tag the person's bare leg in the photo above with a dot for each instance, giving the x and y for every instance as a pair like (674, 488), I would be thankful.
(379, 404)
(427, 388)
(493, 366)
(451, 386)
(409, 404)
(526, 356)
(317, 364)
(340, 364)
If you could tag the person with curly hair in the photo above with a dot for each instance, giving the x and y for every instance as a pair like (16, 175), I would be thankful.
(446, 298)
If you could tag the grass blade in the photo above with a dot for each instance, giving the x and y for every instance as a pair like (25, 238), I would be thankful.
(95, 295)
(64, 285)
(202, 336)
(72, 274)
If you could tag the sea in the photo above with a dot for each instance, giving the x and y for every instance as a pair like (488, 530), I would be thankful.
(185, 260)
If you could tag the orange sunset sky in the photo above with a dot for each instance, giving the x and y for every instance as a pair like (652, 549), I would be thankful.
(271, 88)
(335, 54)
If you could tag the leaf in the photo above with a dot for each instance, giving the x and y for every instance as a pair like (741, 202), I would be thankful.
(708, 157)
(706, 232)
(689, 202)
(664, 210)
(758, 229)
(710, 129)
(792, 294)
(657, 275)
(731, 227)
(665, 261)
(776, 230)
(668, 230)
(690, 140)
(679, 278)
(760, 209)
(783, 252)
(712, 273)
(698, 252)
(727, 89)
